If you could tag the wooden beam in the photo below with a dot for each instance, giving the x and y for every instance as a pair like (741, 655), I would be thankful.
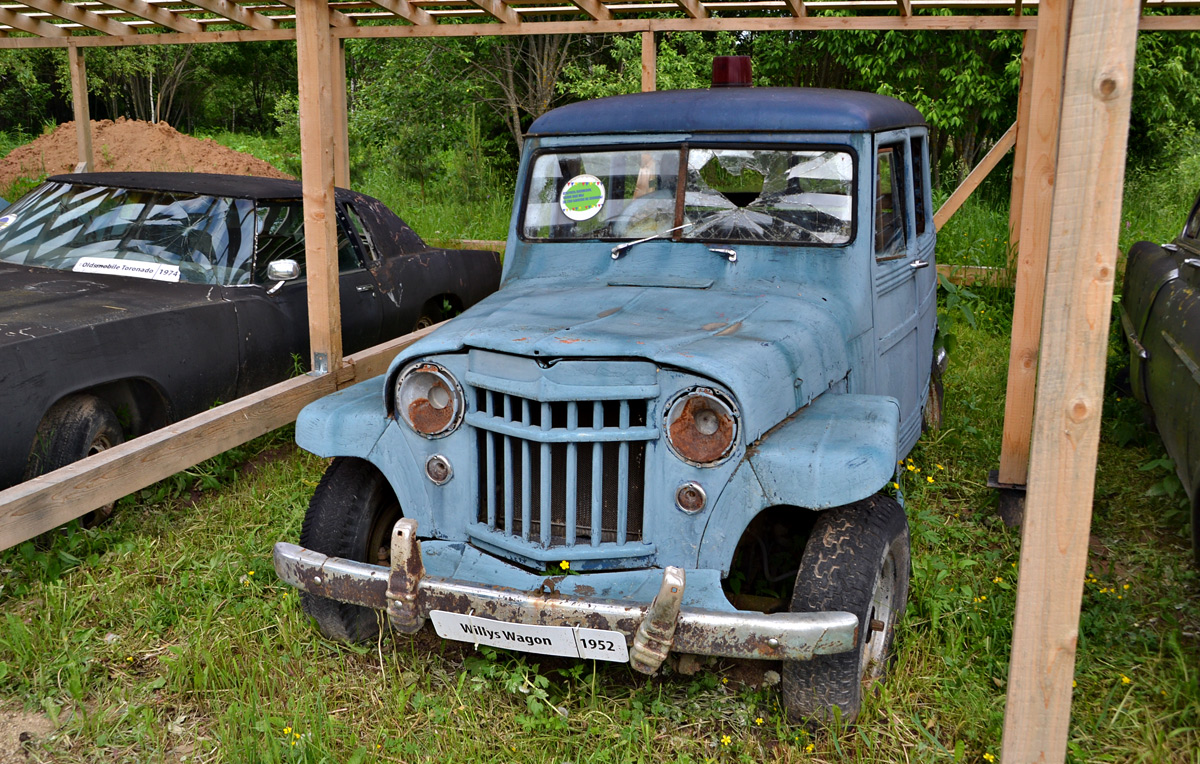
(237, 13)
(79, 101)
(594, 8)
(1079, 287)
(171, 38)
(83, 17)
(336, 18)
(407, 11)
(797, 7)
(1045, 100)
(975, 177)
(314, 51)
(905, 7)
(1021, 151)
(341, 117)
(23, 23)
(160, 16)
(498, 10)
(36, 506)
(693, 8)
(649, 63)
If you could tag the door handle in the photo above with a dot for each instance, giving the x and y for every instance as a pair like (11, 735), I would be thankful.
(917, 265)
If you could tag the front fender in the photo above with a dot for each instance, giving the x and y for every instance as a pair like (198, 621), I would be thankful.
(837, 450)
(346, 423)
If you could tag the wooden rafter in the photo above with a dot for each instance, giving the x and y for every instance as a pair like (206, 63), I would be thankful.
(594, 8)
(797, 7)
(238, 14)
(905, 7)
(31, 25)
(336, 18)
(498, 10)
(82, 17)
(693, 8)
(406, 10)
(160, 16)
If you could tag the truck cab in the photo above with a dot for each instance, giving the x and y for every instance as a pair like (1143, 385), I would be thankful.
(676, 426)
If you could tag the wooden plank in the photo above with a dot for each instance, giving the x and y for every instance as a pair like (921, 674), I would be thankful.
(103, 41)
(160, 16)
(797, 8)
(79, 102)
(81, 16)
(1021, 151)
(649, 63)
(23, 23)
(46, 502)
(314, 49)
(971, 275)
(498, 10)
(1034, 239)
(341, 117)
(594, 8)
(905, 7)
(336, 18)
(407, 11)
(1079, 286)
(237, 13)
(975, 177)
(693, 8)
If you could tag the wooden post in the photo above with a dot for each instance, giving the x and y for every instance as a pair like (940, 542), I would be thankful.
(1079, 288)
(1040, 161)
(314, 49)
(341, 117)
(1024, 98)
(649, 63)
(83, 114)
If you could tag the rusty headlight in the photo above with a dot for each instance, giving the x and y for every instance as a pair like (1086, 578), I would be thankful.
(429, 399)
(702, 426)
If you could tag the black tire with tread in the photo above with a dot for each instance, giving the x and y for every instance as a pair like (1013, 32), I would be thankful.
(75, 427)
(351, 516)
(842, 566)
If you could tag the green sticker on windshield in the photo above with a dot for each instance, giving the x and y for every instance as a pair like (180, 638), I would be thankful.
(582, 197)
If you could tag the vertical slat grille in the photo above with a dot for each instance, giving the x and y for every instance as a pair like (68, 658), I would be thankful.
(561, 494)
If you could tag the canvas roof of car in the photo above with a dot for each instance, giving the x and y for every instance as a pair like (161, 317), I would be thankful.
(730, 110)
(208, 184)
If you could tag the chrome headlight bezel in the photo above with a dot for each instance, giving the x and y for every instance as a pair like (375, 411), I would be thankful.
(428, 399)
(701, 424)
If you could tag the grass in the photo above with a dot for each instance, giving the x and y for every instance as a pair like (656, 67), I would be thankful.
(164, 635)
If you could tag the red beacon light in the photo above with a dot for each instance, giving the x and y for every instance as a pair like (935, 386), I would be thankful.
(731, 72)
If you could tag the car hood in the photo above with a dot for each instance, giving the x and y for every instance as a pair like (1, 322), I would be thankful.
(775, 353)
(36, 302)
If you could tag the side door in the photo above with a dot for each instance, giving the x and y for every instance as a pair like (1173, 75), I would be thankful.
(273, 317)
(904, 281)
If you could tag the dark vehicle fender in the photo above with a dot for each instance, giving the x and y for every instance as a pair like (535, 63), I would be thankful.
(410, 282)
(837, 450)
(1148, 269)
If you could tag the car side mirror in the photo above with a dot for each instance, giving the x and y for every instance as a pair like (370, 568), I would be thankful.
(280, 271)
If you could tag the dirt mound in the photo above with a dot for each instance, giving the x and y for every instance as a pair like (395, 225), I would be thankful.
(129, 145)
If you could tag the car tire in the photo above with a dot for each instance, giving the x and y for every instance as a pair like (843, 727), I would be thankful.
(351, 516)
(857, 559)
(76, 427)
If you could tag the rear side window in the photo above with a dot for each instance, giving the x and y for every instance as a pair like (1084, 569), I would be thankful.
(918, 165)
(889, 203)
(281, 237)
(1192, 229)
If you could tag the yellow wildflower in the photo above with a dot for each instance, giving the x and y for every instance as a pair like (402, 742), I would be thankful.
(565, 565)
(989, 758)
(997, 580)
(758, 721)
(929, 478)
(1125, 679)
(726, 740)
(809, 748)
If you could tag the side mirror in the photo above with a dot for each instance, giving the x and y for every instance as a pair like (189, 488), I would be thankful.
(280, 271)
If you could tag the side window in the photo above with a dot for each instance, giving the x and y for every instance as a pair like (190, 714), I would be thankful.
(889, 203)
(918, 165)
(281, 237)
(1192, 229)
(361, 231)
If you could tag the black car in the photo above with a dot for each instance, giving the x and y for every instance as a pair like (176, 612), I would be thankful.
(1160, 314)
(131, 300)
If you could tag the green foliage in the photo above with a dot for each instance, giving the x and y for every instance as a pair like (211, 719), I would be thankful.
(684, 61)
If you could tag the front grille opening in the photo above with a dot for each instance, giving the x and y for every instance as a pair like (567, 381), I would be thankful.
(525, 487)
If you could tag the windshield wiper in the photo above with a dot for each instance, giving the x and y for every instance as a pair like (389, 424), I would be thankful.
(620, 249)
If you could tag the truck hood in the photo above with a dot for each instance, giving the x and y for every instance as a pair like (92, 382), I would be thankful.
(775, 353)
(36, 302)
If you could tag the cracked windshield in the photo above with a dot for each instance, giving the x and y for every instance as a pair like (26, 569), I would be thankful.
(784, 196)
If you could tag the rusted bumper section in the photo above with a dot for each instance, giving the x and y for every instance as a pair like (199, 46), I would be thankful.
(652, 629)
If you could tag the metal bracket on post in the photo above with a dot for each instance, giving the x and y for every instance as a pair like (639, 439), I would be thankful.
(1012, 499)
(652, 642)
(320, 365)
(405, 579)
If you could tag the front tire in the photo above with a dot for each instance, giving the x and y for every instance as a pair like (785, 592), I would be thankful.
(351, 516)
(857, 559)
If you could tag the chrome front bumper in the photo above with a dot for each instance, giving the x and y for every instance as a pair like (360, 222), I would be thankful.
(652, 629)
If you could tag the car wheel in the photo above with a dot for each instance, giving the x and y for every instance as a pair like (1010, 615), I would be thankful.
(76, 427)
(856, 560)
(351, 515)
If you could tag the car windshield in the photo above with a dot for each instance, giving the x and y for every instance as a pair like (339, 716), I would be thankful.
(776, 195)
(157, 235)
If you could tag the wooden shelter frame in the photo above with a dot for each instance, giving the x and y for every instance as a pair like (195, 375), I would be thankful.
(1069, 138)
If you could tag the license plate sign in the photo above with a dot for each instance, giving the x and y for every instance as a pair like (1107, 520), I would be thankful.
(568, 641)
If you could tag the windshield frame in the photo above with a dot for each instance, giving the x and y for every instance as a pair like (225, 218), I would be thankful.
(684, 148)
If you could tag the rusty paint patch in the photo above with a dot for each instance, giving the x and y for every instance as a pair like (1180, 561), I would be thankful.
(694, 444)
(713, 326)
(731, 329)
(607, 313)
(568, 340)
(426, 418)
